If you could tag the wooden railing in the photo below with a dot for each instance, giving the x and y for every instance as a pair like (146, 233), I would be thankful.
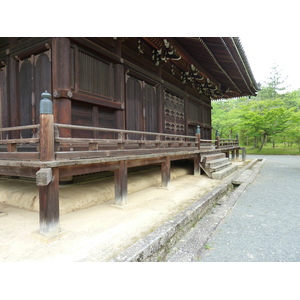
(122, 144)
(19, 148)
(47, 145)
(79, 148)
(225, 143)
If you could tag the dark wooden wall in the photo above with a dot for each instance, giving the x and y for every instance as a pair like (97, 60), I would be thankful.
(104, 82)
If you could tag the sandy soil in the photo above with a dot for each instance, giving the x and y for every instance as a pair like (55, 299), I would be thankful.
(97, 232)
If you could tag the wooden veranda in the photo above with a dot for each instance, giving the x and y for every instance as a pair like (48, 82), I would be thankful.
(47, 157)
(115, 104)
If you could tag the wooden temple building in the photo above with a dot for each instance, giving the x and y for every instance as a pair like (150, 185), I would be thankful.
(71, 106)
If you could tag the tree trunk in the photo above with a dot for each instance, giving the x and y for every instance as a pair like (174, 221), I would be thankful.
(263, 141)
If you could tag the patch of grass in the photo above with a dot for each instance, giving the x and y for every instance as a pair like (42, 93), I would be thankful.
(269, 150)
(208, 247)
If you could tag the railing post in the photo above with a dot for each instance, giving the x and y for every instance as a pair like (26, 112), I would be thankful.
(46, 128)
(218, 139)
(198, 135)
(48, 188)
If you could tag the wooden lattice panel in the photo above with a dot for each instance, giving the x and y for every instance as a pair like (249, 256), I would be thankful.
(174, 114)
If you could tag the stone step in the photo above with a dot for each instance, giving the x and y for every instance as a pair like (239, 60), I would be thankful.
(224, 172)
(208, 157)
(219, 168)
(211, 164)
(207, 148)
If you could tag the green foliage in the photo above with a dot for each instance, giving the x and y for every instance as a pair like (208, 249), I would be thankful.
(271, 116)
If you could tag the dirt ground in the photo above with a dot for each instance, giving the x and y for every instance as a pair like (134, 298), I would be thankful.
(92, 227)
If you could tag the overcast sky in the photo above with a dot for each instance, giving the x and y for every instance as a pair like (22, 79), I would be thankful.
(263, 51)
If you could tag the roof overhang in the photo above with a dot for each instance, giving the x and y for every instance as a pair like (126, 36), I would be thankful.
(218, 65)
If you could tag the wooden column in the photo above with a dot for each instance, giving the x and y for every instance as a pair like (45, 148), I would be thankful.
(48, 179)
(198, 135)
(197, 169)
(218, 142)
(13, 103)
(243, 153)
(233, 154)
(49, 205)
(121, 184)
(166, 172)
(62, 81)
(46, 137)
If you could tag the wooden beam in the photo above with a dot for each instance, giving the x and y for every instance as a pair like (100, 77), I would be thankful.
(49, 205)
(187, 57)
(87, 169)
(44, 177)
(121, 184)
(18, 171)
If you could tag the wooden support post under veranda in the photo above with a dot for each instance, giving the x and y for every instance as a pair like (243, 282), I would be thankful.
(166, 172)
(120, 176)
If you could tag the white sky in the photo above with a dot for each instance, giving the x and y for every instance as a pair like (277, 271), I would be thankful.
(269, 30)
(263, 51)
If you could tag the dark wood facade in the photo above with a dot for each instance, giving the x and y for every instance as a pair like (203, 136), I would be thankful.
(152, 85)
(144, 84)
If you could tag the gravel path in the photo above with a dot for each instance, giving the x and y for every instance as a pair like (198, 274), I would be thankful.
(264, 225)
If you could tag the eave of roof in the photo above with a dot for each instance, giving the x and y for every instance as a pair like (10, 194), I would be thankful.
(225, 61)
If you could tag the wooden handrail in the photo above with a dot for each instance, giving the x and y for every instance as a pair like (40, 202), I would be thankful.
(122, 131)
(19, 127)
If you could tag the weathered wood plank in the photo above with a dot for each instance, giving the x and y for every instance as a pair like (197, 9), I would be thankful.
(19, 155)
(20, 141)
(18, 171)
(115, 153)
(87, 169)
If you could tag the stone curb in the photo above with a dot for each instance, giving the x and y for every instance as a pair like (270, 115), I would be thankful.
(155, 245)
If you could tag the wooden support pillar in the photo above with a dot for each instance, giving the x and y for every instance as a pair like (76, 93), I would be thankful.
(46, 137)
(61, 52)
(243, 153)
(49, 205)
(121, 184)
(237, 153)
(218, 142)
(166, 172)
(197, 169)
(233, 154)
(198, 136)
(48, 179)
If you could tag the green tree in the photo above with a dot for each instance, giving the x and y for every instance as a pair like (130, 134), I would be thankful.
(274, 86)
(265, 118)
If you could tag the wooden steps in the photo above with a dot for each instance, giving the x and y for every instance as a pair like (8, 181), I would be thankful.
(217, 166)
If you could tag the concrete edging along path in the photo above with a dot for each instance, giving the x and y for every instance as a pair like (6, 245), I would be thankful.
(156, 245)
